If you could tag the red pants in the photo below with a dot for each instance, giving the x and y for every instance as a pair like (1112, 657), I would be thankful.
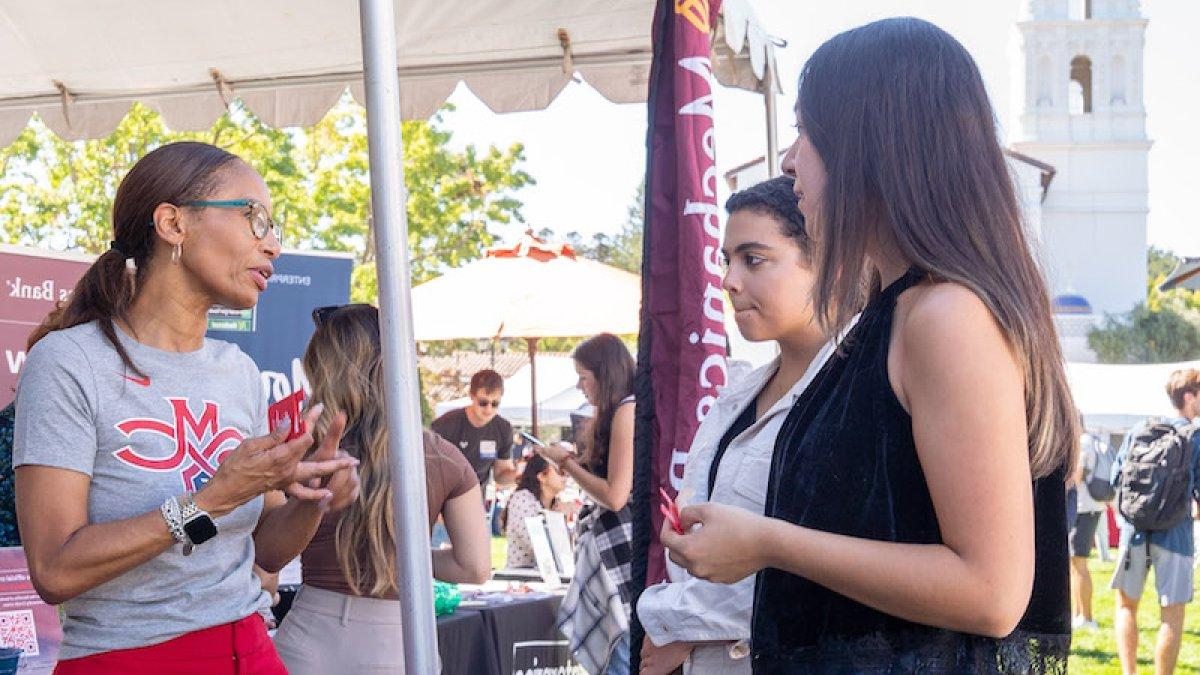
(239, 648)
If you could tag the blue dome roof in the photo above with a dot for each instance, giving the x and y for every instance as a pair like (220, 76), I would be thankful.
(1071, 303)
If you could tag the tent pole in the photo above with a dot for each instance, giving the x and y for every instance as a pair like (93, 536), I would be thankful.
(769, 104)
(414, 574)
(532, 344)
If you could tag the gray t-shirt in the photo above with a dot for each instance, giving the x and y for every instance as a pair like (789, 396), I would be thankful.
(142, 442)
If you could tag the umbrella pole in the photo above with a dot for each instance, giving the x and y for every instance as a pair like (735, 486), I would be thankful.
(532, 344)
(769, 103)
(414, 574)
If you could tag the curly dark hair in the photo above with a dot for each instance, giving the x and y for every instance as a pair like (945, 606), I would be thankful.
(774, 198)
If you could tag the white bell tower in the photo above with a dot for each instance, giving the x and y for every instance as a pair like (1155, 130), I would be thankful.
(1083, 113)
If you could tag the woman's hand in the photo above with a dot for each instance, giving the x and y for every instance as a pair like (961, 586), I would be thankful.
(666, 659)
(267, 463)
(342, 486)
(729, 545)
(555, 452)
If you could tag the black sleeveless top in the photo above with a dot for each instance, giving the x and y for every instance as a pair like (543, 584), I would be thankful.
(845, 462)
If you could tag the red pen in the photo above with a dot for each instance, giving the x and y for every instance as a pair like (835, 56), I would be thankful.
(670, 511)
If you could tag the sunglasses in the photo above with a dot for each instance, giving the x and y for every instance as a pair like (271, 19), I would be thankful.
(260, 218)
(322, 314)
(485, 403)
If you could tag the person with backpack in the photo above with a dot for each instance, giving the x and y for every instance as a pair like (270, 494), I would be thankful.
(1094, 489)
(1157, 475)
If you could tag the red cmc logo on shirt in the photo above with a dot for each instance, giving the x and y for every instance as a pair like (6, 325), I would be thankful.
(199, 463)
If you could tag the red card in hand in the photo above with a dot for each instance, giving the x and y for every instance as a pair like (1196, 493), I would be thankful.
(288, 408)
(670, 511)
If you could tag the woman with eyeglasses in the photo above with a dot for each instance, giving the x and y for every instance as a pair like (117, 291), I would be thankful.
(148, 484)
(346, 618)
(604, 531)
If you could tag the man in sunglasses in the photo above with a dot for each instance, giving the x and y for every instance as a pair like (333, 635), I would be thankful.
(484, 437)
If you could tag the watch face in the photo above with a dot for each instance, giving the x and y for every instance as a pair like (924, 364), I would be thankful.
(200, 529)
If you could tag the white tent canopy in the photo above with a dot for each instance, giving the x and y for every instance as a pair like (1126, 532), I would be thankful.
(80, 64)
(521, 297)
(1114, 397)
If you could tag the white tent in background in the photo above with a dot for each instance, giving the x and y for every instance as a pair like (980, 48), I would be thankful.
(557, 395)
(1114, 397)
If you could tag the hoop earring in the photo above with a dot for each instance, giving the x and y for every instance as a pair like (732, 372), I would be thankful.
(177, 252)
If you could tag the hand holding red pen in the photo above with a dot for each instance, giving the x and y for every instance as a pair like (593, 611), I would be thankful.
(730, 545)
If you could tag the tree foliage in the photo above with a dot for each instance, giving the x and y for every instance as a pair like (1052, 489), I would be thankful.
(58, 194)
(1163, 329)
(623, 249)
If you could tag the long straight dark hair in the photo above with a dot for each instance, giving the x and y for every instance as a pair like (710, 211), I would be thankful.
(534, 466)
(608, 359)
(899, 115)
(172, 174)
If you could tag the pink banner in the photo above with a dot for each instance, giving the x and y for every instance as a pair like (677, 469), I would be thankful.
(683, 304)
(30, 284)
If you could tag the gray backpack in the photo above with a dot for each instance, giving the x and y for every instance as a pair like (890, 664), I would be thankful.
(1098, 481)
(1155, 480)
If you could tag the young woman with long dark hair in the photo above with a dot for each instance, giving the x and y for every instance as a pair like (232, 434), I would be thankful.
(537, 490)
(915, 515)
(148, 485)
(604, 531)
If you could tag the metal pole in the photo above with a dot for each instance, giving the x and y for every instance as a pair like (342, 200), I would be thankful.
(532, 344)
(768, 92)
(414, 574)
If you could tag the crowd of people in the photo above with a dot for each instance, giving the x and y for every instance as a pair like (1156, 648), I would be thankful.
(898, 491)
(1152, 483)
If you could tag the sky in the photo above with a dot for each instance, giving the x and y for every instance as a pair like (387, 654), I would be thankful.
(588, 154)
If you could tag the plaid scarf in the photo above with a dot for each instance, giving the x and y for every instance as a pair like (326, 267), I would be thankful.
(595, 612)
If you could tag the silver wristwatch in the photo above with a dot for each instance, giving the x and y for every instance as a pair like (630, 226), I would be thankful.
(198, 526)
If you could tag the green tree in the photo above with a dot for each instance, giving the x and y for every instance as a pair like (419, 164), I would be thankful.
(623, 249)
(1164, 328)
(58, 194)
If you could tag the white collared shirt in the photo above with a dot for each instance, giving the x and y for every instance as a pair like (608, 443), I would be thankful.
(688, 609)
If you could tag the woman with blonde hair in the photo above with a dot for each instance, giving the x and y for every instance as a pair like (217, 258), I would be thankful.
(915, 517)
(346, 617)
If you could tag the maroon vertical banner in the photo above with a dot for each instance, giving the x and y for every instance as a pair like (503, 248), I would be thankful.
(682, 347)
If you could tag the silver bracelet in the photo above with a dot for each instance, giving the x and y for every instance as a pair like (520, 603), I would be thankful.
(172, 515)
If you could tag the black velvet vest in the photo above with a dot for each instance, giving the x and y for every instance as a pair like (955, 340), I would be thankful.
(845, 462)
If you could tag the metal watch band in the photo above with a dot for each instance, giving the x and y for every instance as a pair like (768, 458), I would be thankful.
(171, 514)
(187, 507)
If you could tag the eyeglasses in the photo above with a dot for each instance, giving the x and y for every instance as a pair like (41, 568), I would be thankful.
(260, 218)
(322, 314)
(485, 403)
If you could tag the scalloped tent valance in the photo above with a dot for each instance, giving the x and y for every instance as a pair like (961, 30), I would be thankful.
(80, 64)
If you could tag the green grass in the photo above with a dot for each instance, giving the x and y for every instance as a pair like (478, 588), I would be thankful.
(1095, 653)
(1092, 653)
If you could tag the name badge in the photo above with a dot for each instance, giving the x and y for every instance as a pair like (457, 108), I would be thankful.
(487, 449)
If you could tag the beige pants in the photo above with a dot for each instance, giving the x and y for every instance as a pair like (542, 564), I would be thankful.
(327, 633)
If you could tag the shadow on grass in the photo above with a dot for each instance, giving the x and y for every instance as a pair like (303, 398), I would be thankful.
(1095, 654)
